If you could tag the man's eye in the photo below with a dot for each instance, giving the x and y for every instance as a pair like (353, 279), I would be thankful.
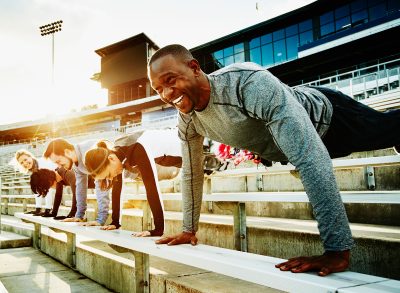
(170, 80)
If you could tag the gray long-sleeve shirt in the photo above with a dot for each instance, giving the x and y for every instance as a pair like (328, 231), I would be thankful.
(81, 174)
(251, 109)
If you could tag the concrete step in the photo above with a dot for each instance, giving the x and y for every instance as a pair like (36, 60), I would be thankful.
(381, 208)
(377, 246)
(114, 270)
(350, 179)
(29, 270)
(372, 208)
(13, 240)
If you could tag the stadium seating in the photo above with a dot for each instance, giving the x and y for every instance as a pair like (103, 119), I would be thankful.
(272, 216)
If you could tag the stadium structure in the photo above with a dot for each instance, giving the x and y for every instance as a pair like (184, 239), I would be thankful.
(347, 45)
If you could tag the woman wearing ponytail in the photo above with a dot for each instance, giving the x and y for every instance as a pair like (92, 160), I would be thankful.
(137, 153)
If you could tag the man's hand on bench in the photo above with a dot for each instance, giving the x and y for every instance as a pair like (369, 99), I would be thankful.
(142, 234)
(91, 223)
(329, 262)
(73, 220)
(182, 238)
(109, 227)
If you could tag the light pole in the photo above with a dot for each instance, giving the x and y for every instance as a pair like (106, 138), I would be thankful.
(51, 29)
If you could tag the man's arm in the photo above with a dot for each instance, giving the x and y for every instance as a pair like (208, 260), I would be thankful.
(81, 193)
(116, 200)
(69, 177)
(295, 135)
(103, 203)
(191, 182)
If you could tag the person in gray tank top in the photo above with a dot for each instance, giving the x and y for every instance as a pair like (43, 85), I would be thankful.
(245, 106)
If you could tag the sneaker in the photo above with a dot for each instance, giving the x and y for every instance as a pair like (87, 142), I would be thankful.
(397, 149)
(38, 212)
(60, 218)
(47, 214)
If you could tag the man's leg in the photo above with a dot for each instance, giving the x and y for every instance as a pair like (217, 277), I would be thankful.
(356, 127)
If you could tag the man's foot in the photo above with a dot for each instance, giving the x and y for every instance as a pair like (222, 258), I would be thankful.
(47, 213)
(71, 214)
(60, 218)
(38, 212)
(397, 149)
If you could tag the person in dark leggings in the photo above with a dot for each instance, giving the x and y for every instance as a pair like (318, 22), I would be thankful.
(43, 179)
(359, 127)
(138, 153)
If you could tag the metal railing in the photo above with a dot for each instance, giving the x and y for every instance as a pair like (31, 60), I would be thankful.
(365, 82)
(165, 122)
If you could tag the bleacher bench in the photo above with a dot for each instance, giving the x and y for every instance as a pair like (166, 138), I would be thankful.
(25, 198)
(236, 203)
(250, 267)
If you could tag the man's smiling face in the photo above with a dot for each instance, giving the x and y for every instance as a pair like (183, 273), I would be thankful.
(176, 82)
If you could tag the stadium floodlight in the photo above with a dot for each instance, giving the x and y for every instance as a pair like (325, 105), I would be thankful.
(51, 29)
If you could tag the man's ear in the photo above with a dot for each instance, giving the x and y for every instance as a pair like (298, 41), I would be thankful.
(68, 153)
(112, 157)
(194, 66)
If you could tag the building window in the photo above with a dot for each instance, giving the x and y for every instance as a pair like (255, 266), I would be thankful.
(306, 37)
(267, 55)
(377, 11)
(229, 55)
(292, 45)
(255, 55)
(279, 51)
(359, 17)
(356, 13)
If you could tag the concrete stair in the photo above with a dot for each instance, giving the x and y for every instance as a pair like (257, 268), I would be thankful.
(114, 270)
(13, 240)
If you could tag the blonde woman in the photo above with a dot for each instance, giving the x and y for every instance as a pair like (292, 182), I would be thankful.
(29, 164)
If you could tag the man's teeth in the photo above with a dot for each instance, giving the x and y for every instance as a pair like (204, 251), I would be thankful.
(177, 100)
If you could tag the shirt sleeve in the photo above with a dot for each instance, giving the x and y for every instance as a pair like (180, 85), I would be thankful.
(81, 193)
(265, 97)
(103, 203)
(69, 178)
(142, 158)
(192, 172)
(116, 200)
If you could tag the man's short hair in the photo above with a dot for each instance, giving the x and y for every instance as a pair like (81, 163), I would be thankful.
(42, 180)
(57, 146)
(175, 50)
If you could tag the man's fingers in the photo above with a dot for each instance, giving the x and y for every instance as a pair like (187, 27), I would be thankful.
(287, 265)
(324, 272)
(193, 241)
(173, 242)
(142, 234)
(302, 268)
(164, 240)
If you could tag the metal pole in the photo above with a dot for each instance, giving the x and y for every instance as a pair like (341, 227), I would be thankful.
(51, 29)
(52, 58)
(1, 192)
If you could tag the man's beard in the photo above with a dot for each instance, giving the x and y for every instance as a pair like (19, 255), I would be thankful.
(69, 167)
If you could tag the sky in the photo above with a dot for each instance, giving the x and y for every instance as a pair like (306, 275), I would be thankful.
(26, 88)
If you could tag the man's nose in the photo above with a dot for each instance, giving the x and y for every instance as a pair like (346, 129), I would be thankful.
(167, 92)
